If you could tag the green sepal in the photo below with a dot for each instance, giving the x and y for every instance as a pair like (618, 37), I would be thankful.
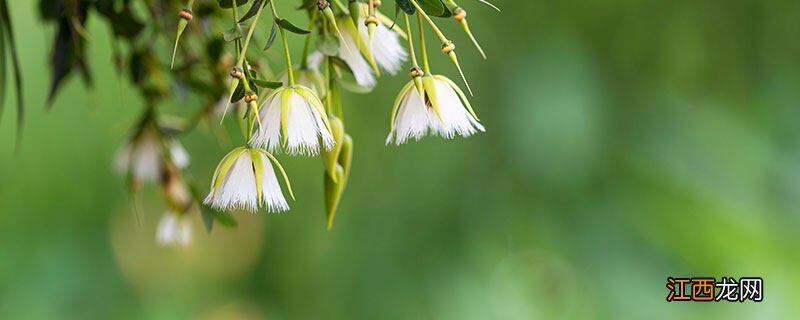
(460, 94)
(465, 26)
(430, 89)
(333, 193)
(181, 27)
(234, 86)
(355, 10)
(397, 102)
(352, 29)
(330, 158)
(331, 18)
(335, 184)
(222, 169)
(454, 58)
(346, 156)
(286, 107)
(312, 98)
(258, 170)
(283, 172)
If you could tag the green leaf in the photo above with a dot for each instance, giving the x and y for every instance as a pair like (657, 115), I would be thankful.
(328, 45)
(208, 217)
(253, 10)
(271, 38)
(239, 93)
(225, 219)
(2, 70)
(5, 19)
(267, 84)
(432, 7)
(234, 33)
(227, 4)
(288, 26)
(406, 6)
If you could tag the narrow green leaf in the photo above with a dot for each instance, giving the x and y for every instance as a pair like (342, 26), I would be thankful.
(406, 6)
(253, 10)
(227, 4)
(271, 38)
(432, 7)
(288, 26)
(266, 84)
(2, 70)
(9, 33)
(208, 217)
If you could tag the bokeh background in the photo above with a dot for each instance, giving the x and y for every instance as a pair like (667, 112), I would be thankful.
(627, 141)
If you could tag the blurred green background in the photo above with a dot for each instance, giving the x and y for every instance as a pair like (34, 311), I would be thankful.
(627, 141)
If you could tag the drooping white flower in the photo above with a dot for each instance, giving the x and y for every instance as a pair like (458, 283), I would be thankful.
(143, 155)
(174, 230)
(386, 47)
(441, 110)
(296, 118)
(245, 180)
(354, 48)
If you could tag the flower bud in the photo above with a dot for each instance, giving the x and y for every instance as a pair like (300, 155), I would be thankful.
(416, 72)
(323, 4)
(371, 20)
(376, 3)
(448, 47)
(237, 73)
(185, 14)
(250, 97)
(459, 14)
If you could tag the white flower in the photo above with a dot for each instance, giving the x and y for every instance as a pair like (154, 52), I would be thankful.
(296, 115)
(386, 47)
(354, 49)
(245, 180)
(142, 156)
(442, 110)
(174, 230)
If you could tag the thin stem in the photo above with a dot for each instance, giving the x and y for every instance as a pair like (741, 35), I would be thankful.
(249, 35)
(328, 85)
(289, 68)
(411, 50)
(307, 45)
(430, 21)
(425, 66)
